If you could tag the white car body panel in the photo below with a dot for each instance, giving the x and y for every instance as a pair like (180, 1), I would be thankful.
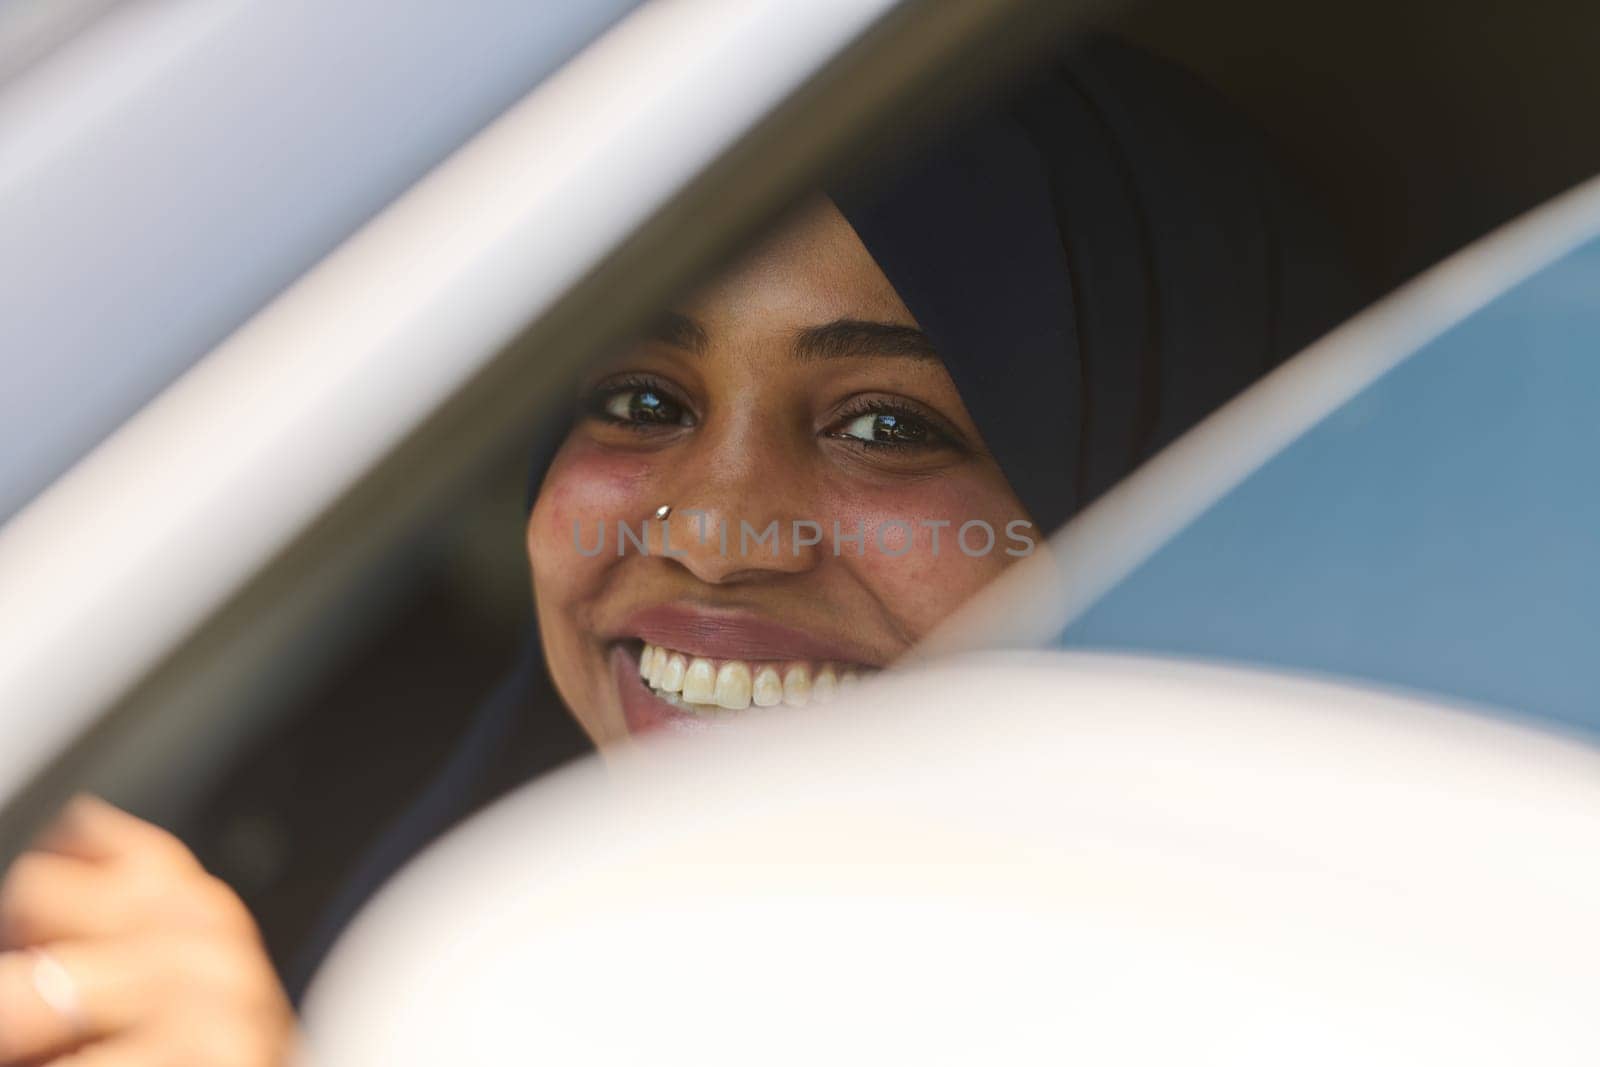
(129, 552)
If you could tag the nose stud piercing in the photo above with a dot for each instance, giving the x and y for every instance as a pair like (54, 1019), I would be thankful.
(663, 511)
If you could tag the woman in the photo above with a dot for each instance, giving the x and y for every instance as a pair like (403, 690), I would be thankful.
(793, 446)
(793, 478)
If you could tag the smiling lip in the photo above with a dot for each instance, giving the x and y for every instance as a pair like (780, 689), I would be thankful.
(723, 634)
(642, 710)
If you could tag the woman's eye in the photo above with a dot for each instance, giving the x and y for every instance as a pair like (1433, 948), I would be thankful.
(644, 405)
(886, 428)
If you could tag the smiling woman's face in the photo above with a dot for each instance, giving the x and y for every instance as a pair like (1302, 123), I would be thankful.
(796, 390)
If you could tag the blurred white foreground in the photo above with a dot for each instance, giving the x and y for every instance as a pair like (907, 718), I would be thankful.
(1118, 861)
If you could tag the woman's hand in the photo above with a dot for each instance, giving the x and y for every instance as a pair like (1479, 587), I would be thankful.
(118, 950)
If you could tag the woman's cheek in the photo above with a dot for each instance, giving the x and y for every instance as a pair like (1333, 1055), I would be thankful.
(587, 491)
(928, 548)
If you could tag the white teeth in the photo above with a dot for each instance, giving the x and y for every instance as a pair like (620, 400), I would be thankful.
(733, 685)
(768, 690)
(797, 686)
(825, 685)
(700, 682)
(672, 676)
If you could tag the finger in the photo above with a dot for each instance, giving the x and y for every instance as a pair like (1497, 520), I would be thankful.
(132, 1050)
(91, 829)
(45, 1005)
(48, 897)
(178, 985)
(200, 999)
(98, 989)
(217, 1041)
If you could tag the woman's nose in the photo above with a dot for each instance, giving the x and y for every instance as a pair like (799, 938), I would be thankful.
(720, 544)
(741, 502)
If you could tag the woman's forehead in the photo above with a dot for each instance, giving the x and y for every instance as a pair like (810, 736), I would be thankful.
(812, 270)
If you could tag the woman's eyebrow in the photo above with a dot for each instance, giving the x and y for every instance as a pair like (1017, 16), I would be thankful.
(680, 331)
(858, 337)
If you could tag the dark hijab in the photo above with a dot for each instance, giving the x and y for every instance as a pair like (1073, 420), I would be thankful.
(1101, 262)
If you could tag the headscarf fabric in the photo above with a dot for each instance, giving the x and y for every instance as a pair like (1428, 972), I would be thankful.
(1101, 262)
